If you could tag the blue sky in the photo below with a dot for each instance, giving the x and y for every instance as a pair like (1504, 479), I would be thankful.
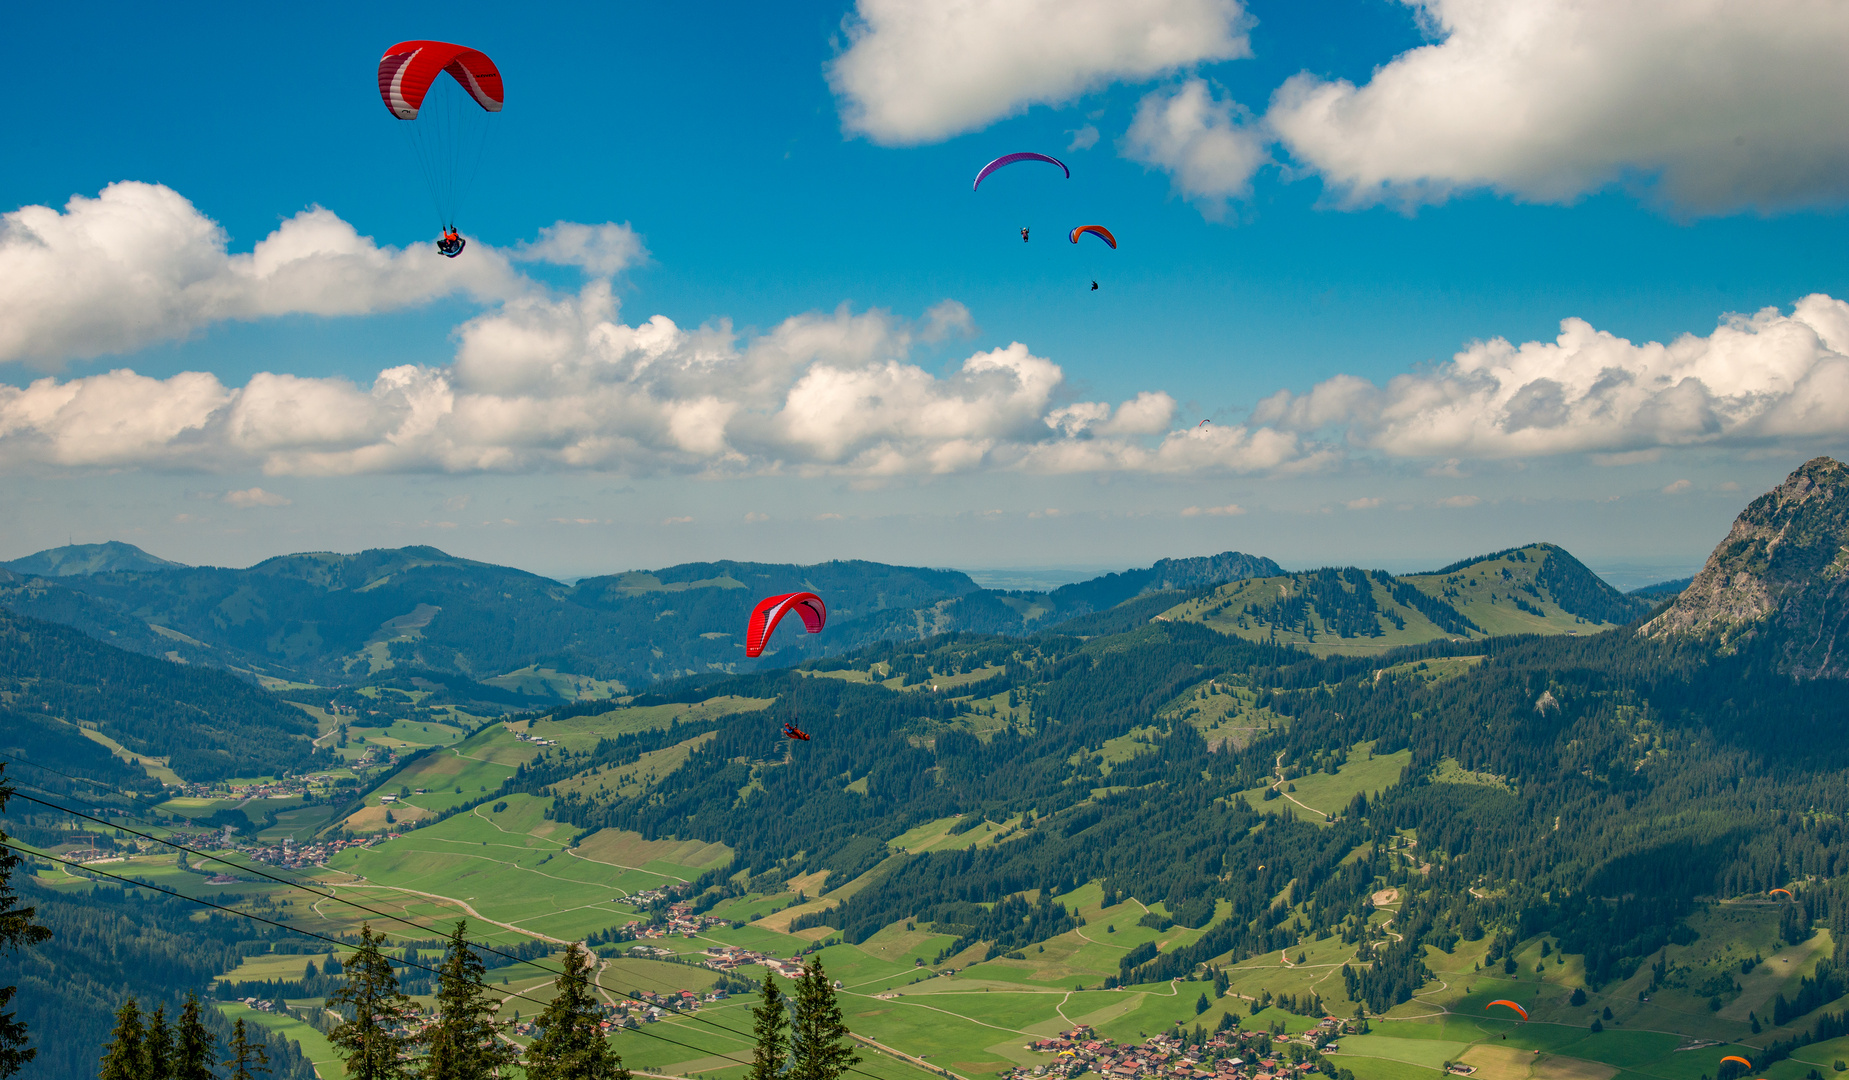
(1266, 245)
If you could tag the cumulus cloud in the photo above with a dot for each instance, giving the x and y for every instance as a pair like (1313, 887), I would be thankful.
(1677, 487)
(1367, 503)
(1719, 104)
(1228, 510)
(1458, 502)
(256, 496)
(1756, 379)
(561, 382)
(1209, 147)
(140, 264)
(1083, 138)
(599, 250)
(917, 71)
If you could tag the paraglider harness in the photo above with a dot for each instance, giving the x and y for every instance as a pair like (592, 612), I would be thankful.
(790, 732)
(452, 243)
(1023, 235)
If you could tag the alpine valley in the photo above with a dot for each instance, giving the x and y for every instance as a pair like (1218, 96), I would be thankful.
(1207, 818)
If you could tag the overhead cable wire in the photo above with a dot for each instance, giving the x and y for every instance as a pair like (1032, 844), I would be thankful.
(343, 900)
(30, 853)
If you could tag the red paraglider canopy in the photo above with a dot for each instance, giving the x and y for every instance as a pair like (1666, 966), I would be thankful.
(408, 68)
(770, 611)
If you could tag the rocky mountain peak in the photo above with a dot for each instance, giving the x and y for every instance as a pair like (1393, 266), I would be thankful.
(1780, 578)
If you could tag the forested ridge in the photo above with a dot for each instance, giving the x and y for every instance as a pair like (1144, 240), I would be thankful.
(110, 942)
(1628, 777)
(210, 724)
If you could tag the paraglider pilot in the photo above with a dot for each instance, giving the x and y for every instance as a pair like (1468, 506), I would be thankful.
(1023, 234)
(1094, 286)
(452, 242)
(791, 731)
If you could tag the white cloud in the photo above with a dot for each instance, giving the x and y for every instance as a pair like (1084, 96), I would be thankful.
(1368, 503)
(139, 264)
(922, 70)
(1228, 510)
(1756, 379)
(1720, 104)
(599, 250)
(677, 521)
(1208, 146)
(1083, 138)
(1678, 487)
(1458, 502)
(256, 496)
(549, 382)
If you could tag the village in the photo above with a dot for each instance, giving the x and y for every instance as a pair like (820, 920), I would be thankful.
(1229, 1054)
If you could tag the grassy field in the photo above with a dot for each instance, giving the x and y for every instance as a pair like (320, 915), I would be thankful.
(315, 1047)
(1323, 793)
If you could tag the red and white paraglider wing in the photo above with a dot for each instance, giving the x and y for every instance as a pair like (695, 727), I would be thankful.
(408, 68)
(771, 610)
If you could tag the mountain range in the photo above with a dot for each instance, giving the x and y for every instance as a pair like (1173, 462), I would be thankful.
(1499, 780)
(333, 619)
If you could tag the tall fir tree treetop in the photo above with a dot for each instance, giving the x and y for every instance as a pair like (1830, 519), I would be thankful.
(818, 1046)
(465, 1042)
(17, 930)
(572, 1045)
(374, 1038)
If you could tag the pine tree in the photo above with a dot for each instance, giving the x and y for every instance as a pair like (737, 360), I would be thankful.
(16, 931)
(816, 1030)
(463, 1044)
(371, 1038)
(126, 1056)
(158, 1046)
(572, 1045)
(192, 1045)
(247, 1058)
(773, 1045)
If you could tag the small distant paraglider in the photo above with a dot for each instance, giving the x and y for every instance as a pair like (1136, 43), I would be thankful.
(771, 610)
(1010, 159)
(1203, 425)
(1519, 1011)
(791, 731)
(1775, 892)
(1738, 1058)
(1098, 231)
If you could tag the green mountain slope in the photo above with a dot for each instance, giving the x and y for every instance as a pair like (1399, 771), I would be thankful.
(55, 682)
(340, 619)
(1538, 589)
(79, 559)
(1155, 823)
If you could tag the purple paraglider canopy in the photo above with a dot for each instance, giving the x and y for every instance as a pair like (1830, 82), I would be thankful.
(1010, 159)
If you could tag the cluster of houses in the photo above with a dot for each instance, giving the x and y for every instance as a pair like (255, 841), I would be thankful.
(293, 857)
(534, 739)
(680, 919)
(729, 958)
(287, 787)
(1227, 1055)
(647, 1007)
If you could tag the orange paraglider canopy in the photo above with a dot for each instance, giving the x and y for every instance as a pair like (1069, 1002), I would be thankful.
(1788, 895)
(1519, 1011)
(1738, 1058)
